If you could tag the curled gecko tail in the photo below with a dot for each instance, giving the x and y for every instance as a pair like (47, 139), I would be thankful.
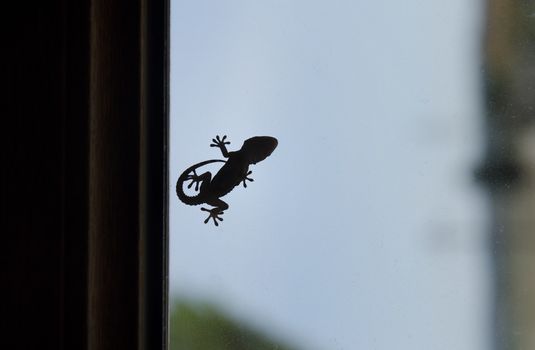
(191, 200)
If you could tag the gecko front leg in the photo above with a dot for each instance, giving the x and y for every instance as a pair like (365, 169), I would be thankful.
(221, 143)
(247, 178)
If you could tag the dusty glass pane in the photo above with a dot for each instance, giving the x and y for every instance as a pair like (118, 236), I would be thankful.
(396, 211)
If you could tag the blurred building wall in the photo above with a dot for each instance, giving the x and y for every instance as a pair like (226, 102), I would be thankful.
(509, 168)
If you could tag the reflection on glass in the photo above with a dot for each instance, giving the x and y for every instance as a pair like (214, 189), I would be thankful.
(397, 210)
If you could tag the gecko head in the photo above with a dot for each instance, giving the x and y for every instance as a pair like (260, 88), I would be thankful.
(259, 148)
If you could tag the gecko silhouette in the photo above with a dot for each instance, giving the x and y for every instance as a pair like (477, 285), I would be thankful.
(234, 171)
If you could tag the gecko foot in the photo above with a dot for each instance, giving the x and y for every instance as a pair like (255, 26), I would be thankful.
(217, 142)
(214, 214)
(246, 178)
(195, 179)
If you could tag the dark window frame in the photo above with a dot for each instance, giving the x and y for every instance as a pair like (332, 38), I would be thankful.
(85, 194)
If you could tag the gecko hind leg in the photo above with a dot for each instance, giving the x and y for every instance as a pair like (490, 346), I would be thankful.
(199, 180)
(215, 213)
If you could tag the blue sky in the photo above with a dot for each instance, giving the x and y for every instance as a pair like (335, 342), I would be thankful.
(364, 228)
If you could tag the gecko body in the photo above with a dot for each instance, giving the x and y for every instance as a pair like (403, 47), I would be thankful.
(232, 173)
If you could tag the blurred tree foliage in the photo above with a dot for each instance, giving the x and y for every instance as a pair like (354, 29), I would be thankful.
(200, 326)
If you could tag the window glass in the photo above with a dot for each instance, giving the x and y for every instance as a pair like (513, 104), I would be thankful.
(396, 209)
